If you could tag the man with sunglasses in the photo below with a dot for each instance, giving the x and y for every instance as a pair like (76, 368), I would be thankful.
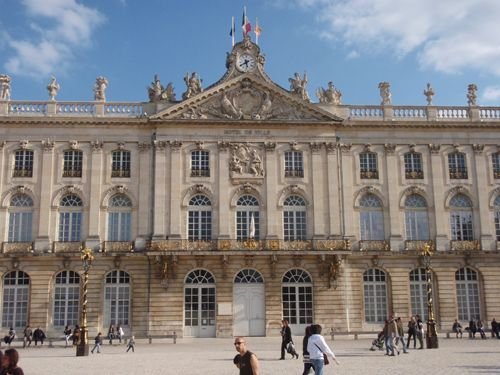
(246, 361)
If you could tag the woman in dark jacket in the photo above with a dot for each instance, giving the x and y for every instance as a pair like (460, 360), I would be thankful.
(9, 363)
(305, 354)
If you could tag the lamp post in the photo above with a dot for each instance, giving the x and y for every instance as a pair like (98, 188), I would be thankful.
(82, 348)
(431, 338)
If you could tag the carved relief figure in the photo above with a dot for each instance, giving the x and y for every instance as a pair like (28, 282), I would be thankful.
(265, 108)
(100, 86)
(53, 88)
(4, 87)
(157, 92)
(471, 94)
(193, 84)
(330, 95)
(298, 86)
(229, 109)
(429, 93)
(385, 93)
(245, 160)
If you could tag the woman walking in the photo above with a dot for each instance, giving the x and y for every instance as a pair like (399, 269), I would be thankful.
(318, 350)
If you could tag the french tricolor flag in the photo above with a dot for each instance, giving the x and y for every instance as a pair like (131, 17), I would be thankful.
(246, 26)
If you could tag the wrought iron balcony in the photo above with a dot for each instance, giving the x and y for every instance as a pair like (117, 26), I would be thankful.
(458, 174)
(22, 173)
(414, 175)
(415, 245)
(369, 175)
(17, 247)
(200, 172)
(120, 173)
(66, 247)
(118, 247)
(294, 173)
(471, 245)
(374, 245)
(72, 173)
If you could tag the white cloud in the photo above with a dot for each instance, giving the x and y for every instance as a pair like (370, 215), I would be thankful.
(352, 55)
(50, 51)
(491, 94)
(446, 35)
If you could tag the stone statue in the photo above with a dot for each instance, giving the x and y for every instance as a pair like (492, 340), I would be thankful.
(4, 87)
(229, 109)
(429, 93)
(256, 164)
(329, 96)
(235, 165)
(298, 86)
(53, 88)
(385, 93)
(265, 107)
(157, 92)
(193, 84)
(101, 84)
(472, 94)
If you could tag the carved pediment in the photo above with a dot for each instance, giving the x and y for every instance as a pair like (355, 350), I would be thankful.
(246, 98)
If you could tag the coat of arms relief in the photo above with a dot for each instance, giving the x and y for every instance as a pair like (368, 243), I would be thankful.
(245, 162)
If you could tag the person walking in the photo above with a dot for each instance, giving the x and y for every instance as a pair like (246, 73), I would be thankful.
(412, 332)
(67, 335)
(305, 353)
(286, 338)
(111, 333)
(318, 349)
(245, 360)
(10, 360)
(119, 332)
(131, 344)
(97, 343)
(401, 335)
(28, 336)
(420, 331)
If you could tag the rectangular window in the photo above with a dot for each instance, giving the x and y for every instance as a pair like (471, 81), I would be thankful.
(457, 166)
(66, 305)
(119, 226)
(244, 225)
(496, 165)
(15, 306)
(200, 226)
(375, 296)
(416, 225)
(497, 225)
(20, 226)
(70, 226)
(72, 163)
(418, 297)
(294, 165)
(116, 305)
(368, 165)
(120, 166)
(23, 163)
(294, 225)
(461, 226)
(413, 166)
(372, 226)
(468, 300)
(200, 166)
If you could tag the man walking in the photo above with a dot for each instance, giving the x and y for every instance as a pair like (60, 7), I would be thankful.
(245, 360)
(98, 343)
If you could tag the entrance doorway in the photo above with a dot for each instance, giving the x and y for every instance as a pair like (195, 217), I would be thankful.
(249, 304)
(199, 304)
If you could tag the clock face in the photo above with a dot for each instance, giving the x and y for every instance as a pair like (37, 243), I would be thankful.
(245, 63)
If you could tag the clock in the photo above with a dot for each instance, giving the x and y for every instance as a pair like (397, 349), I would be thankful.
(245, 63)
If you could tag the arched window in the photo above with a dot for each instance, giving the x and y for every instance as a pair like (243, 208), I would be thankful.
(66, 299)
(294, 218)
(371, 218)
(418, 292)
(200, 163)
(199, 219)
(416, 218)
(120, 165)
(73, 163)
(461, 218)
(248, 276)
(117, 298)
(119, 218)
(20, 218)
(16, 296)
(247, 218)
(297, 297)
(375, 294)
(199, 304)
(70, 218)
(468, 301)
(496, 207)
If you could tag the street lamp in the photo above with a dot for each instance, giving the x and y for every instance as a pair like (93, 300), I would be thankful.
(432, 338)
(82, 348)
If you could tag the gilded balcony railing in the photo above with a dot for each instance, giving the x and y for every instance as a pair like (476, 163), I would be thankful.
(63, 247)
(374, 245)
(369, 174)
(415, 245)
(472, 245)
(17, 247)
(118, 247)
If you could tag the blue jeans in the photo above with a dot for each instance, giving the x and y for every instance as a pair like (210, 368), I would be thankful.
(318, 365)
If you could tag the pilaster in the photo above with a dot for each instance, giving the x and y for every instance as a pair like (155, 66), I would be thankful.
(96, 167)
(42, 241)
(144, 208)
(224, 190)
(175, 189)
(392, 183)
(160, 189)
(334, 186)
(271, 187)
(319, 203)
(441, 224)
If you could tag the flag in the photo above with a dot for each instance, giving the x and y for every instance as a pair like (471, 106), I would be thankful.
(257, 30)
(245, 23)
(252, 227)
(231, 33)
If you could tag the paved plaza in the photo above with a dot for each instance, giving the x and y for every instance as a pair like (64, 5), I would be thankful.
(214, 356)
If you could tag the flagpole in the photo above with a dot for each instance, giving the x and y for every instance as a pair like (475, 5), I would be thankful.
(244, 21)
(232, 30)
(255, 30)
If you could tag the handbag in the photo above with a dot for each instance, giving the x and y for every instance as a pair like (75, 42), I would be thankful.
(325, 357)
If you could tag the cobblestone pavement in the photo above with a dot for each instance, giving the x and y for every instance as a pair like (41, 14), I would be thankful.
(214, 356)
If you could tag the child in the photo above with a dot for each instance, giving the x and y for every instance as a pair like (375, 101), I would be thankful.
(131, 344)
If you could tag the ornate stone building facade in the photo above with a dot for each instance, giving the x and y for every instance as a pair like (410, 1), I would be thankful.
(244, 203)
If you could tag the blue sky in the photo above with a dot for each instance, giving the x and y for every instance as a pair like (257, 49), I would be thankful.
(354, 43)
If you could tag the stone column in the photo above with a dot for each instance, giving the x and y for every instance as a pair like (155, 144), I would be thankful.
(223, 194)
(392, 173)
(42, 241)
(145, 195)
(273, 219)
(160, 190)
(347, 184)
(485, 218)
(319, 199)
(96, 167)
(334, 204)
(175, 189)
(437, 178)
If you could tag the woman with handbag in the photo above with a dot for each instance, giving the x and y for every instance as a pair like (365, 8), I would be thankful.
(319, 350)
